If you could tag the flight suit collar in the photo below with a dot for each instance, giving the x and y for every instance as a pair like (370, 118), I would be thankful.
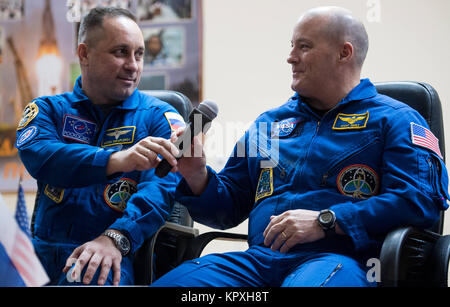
(131, 103)
(364, 90)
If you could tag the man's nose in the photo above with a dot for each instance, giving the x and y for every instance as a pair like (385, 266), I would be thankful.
(292, 58)
(131, 63)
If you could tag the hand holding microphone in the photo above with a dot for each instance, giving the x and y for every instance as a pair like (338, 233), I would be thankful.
(199, 121)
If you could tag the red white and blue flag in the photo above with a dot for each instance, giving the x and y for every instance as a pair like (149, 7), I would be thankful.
(19, 265)
(423, 137)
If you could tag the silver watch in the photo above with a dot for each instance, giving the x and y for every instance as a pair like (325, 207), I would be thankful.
(122, 243)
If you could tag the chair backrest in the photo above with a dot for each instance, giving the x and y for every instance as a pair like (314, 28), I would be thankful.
(183, 105)
(176, 99)
(423, 98)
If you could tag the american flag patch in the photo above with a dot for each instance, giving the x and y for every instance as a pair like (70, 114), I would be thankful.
(423, 137)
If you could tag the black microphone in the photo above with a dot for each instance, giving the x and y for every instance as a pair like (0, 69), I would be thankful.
(199, 121)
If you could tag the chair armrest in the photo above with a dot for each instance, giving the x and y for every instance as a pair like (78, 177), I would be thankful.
(144, 258)
(404, 254)
(199, 243)
(439, 262)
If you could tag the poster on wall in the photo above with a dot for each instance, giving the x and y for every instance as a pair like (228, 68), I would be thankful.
(38, 58)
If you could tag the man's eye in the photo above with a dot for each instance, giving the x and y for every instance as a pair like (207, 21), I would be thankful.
(120, 52)
(139, 55)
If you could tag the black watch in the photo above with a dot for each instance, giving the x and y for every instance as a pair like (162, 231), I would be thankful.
(327, 220)
(122, 243)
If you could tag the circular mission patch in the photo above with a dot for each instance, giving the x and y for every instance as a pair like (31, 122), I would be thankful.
(358, 181)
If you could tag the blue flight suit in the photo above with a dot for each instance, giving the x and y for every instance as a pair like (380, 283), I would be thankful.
(65, 142)
(362, 159)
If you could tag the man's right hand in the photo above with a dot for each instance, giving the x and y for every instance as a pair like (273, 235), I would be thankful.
(192, 166)
(142, 156)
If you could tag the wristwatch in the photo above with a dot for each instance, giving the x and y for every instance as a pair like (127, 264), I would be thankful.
(327, 220)
(122, 243)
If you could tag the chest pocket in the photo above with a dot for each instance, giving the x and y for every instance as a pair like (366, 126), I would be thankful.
(353, 172)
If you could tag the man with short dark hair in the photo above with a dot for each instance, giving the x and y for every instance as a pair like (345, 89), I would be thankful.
(347, 171)
(93, 153)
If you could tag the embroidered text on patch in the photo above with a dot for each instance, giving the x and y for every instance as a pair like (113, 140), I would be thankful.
(119, 136)
(78, 129)
(351, 121)
(423, 137)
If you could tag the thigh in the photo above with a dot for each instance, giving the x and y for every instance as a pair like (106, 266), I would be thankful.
(237, 269)
(328, 270)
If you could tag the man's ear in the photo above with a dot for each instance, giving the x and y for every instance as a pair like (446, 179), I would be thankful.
(346, 52)
(82, 52)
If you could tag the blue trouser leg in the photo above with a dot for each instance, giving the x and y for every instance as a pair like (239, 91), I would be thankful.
(238, 269)
(260, 267)
(328, 270)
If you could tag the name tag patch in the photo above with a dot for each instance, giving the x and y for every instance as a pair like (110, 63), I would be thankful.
(78, 129)
(351, 121)
(119, 136)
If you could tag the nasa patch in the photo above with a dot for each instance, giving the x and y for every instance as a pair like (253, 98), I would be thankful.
(358, 181)
(78, 129)
(285, 127)
(116, 195)
(26, 136)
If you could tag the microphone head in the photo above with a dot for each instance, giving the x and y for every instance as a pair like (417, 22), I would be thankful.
(209, 108)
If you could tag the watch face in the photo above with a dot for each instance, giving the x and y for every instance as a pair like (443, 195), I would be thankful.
(124, 244)
(326, 217)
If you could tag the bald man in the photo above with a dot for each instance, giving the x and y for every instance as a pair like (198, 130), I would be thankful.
(346, 173)
(93, 153)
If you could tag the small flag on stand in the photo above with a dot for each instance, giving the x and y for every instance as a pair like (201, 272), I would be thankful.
(21, 211)
(19, 264)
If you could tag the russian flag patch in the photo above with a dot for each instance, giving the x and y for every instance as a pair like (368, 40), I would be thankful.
(175, 120)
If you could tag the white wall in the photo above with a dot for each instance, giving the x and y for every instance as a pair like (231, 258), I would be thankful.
(246, 44)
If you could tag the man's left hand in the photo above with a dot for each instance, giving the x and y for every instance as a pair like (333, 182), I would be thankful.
(100, 252)
(291, 228)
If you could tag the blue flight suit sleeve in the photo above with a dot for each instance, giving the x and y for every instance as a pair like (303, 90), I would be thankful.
(48, 159)
(228, 198)
(414, 185)
(149, 208)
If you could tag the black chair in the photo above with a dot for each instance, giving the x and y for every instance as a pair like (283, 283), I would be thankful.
(168, 244)
(409, 256)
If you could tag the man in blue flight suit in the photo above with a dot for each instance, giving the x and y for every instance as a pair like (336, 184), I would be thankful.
(322, 178)
(93, 153)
